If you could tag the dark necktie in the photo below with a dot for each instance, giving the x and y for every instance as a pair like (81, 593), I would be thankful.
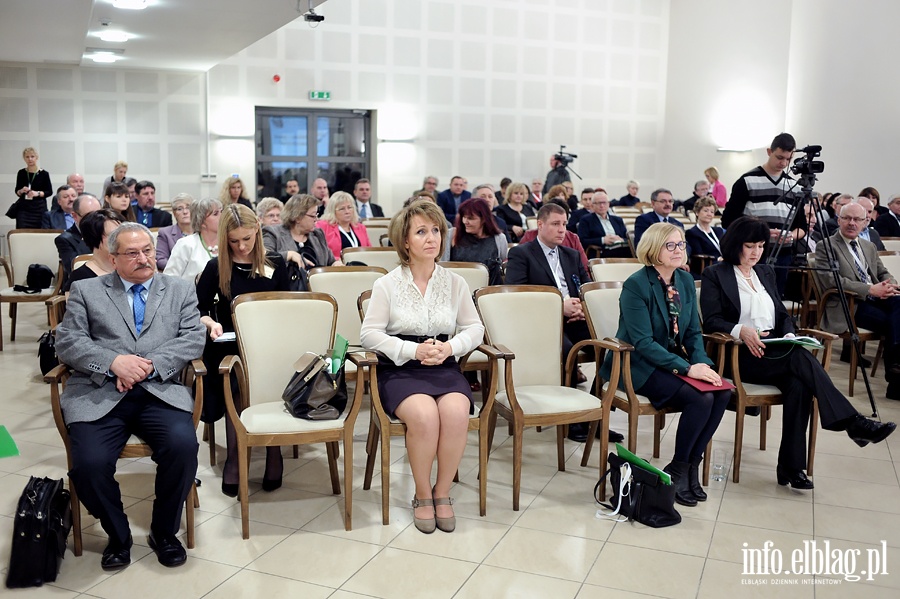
(139, 305)
(665, 219)
(863, 276)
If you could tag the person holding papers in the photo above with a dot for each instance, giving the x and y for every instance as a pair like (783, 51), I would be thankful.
(739, 297)
(658, 316)
(243, 267)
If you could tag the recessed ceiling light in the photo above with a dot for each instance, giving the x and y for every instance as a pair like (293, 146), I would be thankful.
(130, 4)
(105, 58)
(113, 36)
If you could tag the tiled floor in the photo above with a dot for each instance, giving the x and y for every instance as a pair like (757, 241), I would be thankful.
(553, 547)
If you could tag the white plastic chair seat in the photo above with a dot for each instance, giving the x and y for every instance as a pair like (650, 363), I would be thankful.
(272, 417)
(11, 292)
(757, 389)
(550, 399)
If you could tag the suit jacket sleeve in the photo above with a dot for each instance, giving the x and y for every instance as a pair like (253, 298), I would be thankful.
(170, 358)
(161, 218)
(74, 344)
(635, 303)
(846, 271)
(641, 224)
(45, 221)
(66, 250)
(517, 267)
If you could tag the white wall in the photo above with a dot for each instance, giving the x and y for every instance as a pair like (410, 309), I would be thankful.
(490, 89)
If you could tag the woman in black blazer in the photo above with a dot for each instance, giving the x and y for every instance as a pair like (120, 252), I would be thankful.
(739, 297)
(703, 238)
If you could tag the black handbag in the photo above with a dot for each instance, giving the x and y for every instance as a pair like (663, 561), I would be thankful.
(42, 523)
(314, 393)
(47, 352)
(641, 496)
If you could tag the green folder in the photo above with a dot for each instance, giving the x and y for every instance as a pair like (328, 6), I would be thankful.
(8, 447)
(338, 353)
(641, 462)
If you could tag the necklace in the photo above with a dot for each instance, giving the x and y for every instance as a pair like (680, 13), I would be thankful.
(243, 267)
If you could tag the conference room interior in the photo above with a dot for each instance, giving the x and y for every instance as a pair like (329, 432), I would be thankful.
(652, 90)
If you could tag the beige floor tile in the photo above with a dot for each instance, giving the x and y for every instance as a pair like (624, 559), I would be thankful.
(627, 568)
(691, 537)
(256, 585)
(859, 495)
(367, 526)
(296, 558)
(590, 591)
(864, 526)
(876, 567)
(287, 507)
(139, 516)
(397, 574)
(498, 503)
(29, 454)
(855, 467)
(855, 590)
(728, 541)
(560, 556)
(726, 579)
(763, 482)
(219, 540)
(148, 578)
(574, 518)
(764, 512)
(490, 583)
(472, 540)
(704, 510)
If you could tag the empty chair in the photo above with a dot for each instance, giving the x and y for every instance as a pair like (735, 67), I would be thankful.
(613, 269)
(385, 257)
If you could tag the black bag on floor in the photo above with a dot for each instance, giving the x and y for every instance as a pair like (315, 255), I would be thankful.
(42, 524)
(642, 496)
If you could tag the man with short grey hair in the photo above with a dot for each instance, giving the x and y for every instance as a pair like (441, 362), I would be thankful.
(127, 336)
(662, 203)
(70, 243)
(888, 224)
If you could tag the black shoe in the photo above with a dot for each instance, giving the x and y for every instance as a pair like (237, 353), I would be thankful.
(863, 361)
(865, 430)
(578, 432)
(271, 485)
(116, 556)
(169, 550)
(694, 479)
(612, 436)
(679, 474)
(231, 490)
(797, 478)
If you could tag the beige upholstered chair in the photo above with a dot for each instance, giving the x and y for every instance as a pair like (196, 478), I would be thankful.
(134, 448)
(529, 384)
(476, 276)
(382, 427)
(613, 269)
(375, 229)
(386, 258)
(301, 322)
(28, 246)
(891, 244)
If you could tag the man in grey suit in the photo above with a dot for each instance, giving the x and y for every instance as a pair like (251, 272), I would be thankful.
(127, 336)
(863, 274)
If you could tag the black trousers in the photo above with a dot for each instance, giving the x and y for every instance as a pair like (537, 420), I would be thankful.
(881, 315)
(701, 412)
(96, 447)
(573, 332)
(800, 377)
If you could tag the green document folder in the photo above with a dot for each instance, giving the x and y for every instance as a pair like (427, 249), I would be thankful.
(630, 457)
(338, 353)
(8, 447)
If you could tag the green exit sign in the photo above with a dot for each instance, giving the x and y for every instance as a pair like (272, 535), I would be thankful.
(317, 95)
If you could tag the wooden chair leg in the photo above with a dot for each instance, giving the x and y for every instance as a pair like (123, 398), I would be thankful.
(371, 452)
(13, 311)
(813, 433)
(209, 433)
(589, 443)
(560, 452)
(76, 519)
(243, 488)
(659, 423)
(492, 424)
(348, 480)
(707, 458)
(189, 516)
(632, 432)
(853, 364)
(764, 415)
(296, 452)
(482, 467)
(879, 353)
(738, 441)
(518, 433)
(385, 477)
(331, 450)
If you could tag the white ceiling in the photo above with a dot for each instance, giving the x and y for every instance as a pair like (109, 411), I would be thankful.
(168, 34)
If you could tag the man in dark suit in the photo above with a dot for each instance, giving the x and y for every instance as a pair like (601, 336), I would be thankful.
(60, 217)
(579, 213)
(662, 203)
(545, 261)
(127, 336)
(868, 232)
(291, 188)
(877, 297)
(604, 230)
(145, 211)
(450, 199)
(362, 193)
(485, 192)
(888, 224)
(69, 243)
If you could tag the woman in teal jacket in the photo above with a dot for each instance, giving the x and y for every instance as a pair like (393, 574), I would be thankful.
(658, 316)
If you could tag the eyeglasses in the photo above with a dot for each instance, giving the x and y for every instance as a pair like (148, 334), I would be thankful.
(312, 215)
(181, 209)
(854, 219)
(671, 245)
(664, 201)
(134, 254)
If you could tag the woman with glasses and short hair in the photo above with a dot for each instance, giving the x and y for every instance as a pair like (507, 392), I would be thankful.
(168, 236)
(658, 316)
(297, 239)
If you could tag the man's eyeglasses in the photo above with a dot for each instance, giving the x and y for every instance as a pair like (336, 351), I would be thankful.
(134, 254)
(853, 219)
(672, 245)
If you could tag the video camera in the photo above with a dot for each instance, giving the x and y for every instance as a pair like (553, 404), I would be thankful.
(806, 165)
(565, 158)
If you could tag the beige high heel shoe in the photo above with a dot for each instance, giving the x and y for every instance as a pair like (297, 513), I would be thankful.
(425, 525)
(445, 524)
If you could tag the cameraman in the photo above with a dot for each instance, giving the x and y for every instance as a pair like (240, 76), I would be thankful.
(557, 175)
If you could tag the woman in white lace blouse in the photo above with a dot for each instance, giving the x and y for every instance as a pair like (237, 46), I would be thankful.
(420, 319)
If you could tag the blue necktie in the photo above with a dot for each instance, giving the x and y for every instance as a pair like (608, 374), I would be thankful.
(863, 275)
(139, 305)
